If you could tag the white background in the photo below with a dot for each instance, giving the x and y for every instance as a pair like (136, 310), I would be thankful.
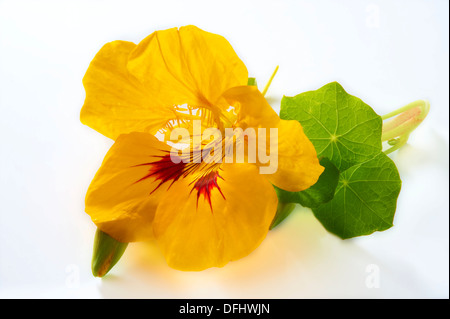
(388, 53)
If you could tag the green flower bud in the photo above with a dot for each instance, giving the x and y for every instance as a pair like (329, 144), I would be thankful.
(107, 252)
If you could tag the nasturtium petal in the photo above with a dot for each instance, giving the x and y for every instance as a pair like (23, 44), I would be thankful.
(136, 88)
(341, 126)
(118, 199)
(297, 164)
(194, 234)
(321, 192)
(365, 199)
(116, 102)
(186, 66)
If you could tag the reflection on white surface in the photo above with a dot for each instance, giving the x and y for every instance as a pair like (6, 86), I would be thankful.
(388, 53)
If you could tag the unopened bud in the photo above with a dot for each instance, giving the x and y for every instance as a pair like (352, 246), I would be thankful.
(107, 252)
(397, 130)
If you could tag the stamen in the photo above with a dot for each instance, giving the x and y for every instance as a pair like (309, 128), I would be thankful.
(269, 82)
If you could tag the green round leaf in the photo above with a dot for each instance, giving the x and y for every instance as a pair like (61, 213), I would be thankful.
(341, 126)
(365, 199)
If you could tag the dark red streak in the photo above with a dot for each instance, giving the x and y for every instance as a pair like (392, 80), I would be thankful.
(166, 170)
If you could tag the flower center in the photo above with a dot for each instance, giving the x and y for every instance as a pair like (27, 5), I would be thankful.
(185, 115)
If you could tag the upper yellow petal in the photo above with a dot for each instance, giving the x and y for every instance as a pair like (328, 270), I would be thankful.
(194, 235)
(186, 66)
(139, 87)
(116, 103)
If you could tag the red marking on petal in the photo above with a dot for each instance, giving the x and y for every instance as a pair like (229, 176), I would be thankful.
(205, 184)
(165, 170)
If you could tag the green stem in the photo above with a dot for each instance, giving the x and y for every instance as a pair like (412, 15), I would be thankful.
(397, 143)
(397, 130)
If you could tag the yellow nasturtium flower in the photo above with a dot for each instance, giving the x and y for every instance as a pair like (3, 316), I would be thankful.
(201, 214)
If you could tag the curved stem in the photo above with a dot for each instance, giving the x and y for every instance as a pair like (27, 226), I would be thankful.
(397, 143)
